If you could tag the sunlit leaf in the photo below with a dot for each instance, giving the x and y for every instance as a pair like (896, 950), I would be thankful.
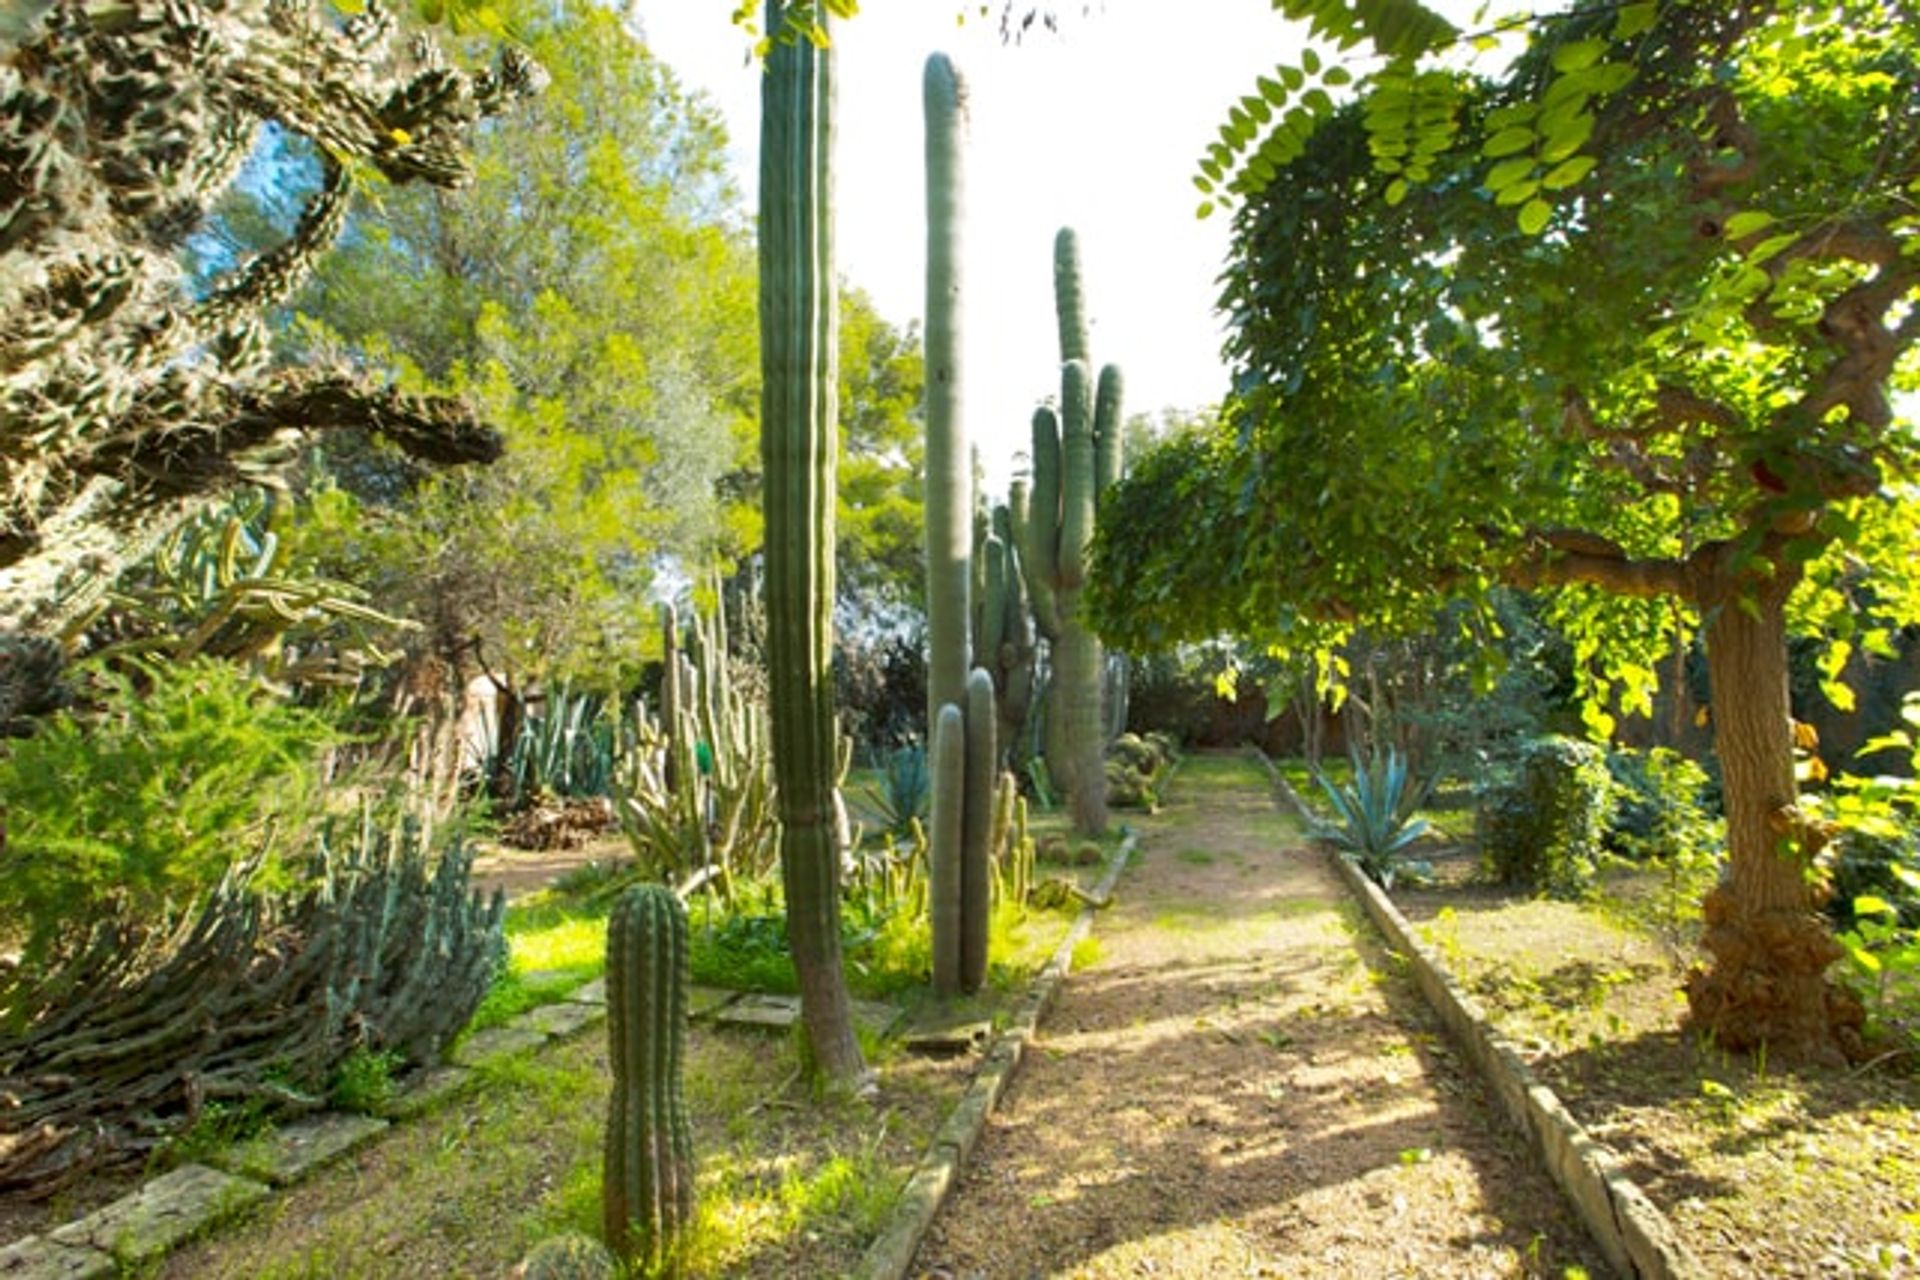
(1578, 55)
(1633, 19)
(1743, 224)
(1508, 141)
(1568, 172)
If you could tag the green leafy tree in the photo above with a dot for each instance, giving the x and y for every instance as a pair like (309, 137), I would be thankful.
(594, 293)
(1622, 320)
(882, 447)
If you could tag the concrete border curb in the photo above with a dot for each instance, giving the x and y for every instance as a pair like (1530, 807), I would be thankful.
(1631, 1231)
(891, 1255)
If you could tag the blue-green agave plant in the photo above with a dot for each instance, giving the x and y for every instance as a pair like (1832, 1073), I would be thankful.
(1374, 813)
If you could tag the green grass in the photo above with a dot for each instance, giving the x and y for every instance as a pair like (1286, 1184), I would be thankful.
(554, 944)
(1195, 857)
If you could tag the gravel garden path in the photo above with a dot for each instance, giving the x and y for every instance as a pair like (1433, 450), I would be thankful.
(1244, 1083)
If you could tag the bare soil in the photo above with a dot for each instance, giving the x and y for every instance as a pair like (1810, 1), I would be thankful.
(523, 871)
(1766, 1169)
(1245, 1084)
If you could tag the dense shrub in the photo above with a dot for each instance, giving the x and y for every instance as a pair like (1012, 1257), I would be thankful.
(145, 801)
(1542, 827)
(1862, 864)
(1657, 812)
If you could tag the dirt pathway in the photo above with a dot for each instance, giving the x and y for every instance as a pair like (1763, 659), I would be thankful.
(1244, 1084)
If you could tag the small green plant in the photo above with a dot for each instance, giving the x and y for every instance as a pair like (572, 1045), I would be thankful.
(1657, 812)
(907, 790)
(1885, 960)
(364, 1080)
(1719, 1102)
(1374, 814)
(1876, 875)
(219, 1125)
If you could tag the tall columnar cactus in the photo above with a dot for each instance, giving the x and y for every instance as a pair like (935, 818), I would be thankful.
(1074, 455)
(976, 840)
(647, 1193)
(799, 364)
(949, 498)
(964, 766)
(946, 836)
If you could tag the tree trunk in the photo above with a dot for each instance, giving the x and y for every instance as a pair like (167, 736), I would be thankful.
(1769, 943)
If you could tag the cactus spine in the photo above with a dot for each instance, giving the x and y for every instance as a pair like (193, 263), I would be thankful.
(799, 365)
(1074, 455)
(960, 706)
(647, 1194)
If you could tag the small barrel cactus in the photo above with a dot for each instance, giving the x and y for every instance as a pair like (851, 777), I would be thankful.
(647, 1196)
(569, 1257)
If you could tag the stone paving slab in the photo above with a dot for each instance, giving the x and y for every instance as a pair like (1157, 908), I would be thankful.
(495, 1041)
(429, 1091)
(287, 1153)
(777, 1013)
(594, 992)
(163, 1213)
(563, 1019)
(37, 1259)
(702, 1002)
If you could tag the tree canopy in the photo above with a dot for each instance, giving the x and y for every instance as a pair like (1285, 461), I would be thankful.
(1625, 317)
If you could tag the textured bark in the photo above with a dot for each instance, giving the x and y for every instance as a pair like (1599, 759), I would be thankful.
(799, 359)
(1769, 943)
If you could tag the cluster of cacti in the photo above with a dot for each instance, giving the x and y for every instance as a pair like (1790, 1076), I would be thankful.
(1013, 845)
(1076, 453)
(799, 434)
(693, 786)
(1003, 641)
(892, 878)
(113, 1050)
(1136, 770)
(568, 1257)
(647, 1193)
(961, 715)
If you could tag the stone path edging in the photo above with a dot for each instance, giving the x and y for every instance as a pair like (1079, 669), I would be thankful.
(890, 1256)
(1629, 1228)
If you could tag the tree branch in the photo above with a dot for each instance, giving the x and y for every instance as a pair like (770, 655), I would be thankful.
(1569, 557)
(169, 459)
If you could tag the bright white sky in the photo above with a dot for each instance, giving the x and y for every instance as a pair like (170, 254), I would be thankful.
(1097, 128)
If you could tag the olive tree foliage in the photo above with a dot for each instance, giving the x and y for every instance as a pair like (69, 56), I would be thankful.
(127, 400)
(593, 291)
(1624, 319)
